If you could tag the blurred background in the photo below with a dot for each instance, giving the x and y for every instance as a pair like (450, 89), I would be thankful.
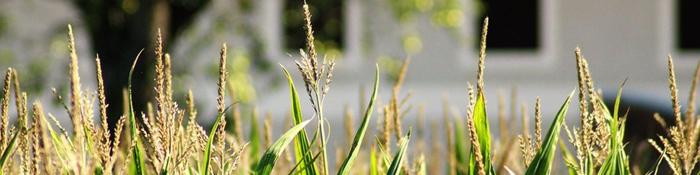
(530, 50)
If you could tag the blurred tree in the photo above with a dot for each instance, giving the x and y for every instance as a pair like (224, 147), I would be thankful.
(118, 29)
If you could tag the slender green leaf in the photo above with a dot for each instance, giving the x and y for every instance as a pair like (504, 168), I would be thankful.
(373, 169)
(301, 143)
(9, 149)
(481, 124)
(617, 161)
(397, 162)
(543, 160)
(267, 161)
(210, 141)
(138, 161)
(360, 134)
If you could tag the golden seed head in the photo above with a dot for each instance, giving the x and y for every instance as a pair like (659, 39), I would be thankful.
(482, 56)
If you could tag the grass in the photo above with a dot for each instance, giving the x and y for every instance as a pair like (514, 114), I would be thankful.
(166, 139)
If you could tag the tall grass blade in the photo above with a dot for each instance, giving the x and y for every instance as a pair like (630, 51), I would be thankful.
(138, 161)
(373, 163)
(360, 134)
(9, 149)
(397, 162)
(301, 142)
(543, 160)
(267, 161)
(481, 124)
(212, 133)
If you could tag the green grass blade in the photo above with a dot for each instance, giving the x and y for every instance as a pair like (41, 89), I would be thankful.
(617, 161)
(481, 124)
(360, 134)
(138, 161)
(9, 149)
(373, 163)
(397, 162)
(301, 143)
(267, 161)
(543, 160)
(212, 133)
(60, 145)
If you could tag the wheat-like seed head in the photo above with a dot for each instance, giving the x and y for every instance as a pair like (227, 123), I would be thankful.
(538, 124)
(76, 94)
(482, 56)
(674, 93)
(387, 128)
(4, 109)
(582, 87)
(310, 46)
(101, 93)
(223, 73)
(168, 82)
(37, 137)
(690, 111)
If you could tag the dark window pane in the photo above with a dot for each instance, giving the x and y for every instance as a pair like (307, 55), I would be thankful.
(327, 21)
(512, 24)
(688, 33)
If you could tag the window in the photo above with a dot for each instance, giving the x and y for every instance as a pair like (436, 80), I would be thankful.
(327, 21)
(513, 25)
(687, 31)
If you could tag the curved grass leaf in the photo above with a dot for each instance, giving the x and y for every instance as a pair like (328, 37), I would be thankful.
(360, 134)
(267, 161)
(542, 162)
(397, 162)
(210, 141)
(481, 124)
(138, 161)
(9, 149)
(301, 142)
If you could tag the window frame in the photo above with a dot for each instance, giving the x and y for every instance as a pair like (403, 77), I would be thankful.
(541, 57)
(684, 59)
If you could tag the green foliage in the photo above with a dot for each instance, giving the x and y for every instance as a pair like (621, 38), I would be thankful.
(360, 134)
(267, 162)
(301, 142)
(137, 155)
(8, 150)
(212, 133)
(481, 124)
(399, 158)
(542, 163)
(617, 161)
